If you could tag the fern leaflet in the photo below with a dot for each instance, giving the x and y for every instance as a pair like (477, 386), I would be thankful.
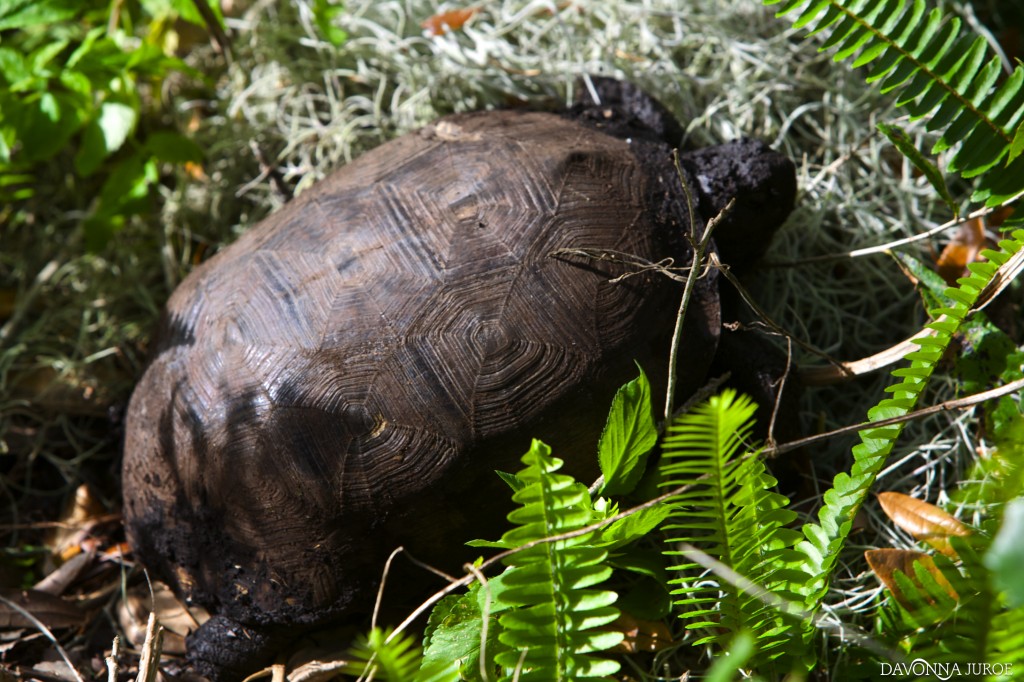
(730, 512)
(940, 73)
(551, 628)
(824, 540)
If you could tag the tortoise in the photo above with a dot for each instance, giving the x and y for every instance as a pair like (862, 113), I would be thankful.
(347, 376)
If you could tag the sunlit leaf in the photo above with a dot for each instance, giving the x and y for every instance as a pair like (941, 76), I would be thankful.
(924, 521)
(1005, 556)
(629, 434)
(105, 135)
(1017, 146)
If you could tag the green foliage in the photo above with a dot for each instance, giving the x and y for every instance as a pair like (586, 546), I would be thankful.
(543, 617)
(1006, 554)
(824, 541)
(628, 436)
(957, 615)
(551, 628)
(70, 81)
(938, 72)
(397, 660)
(729, 511)
(324, 14)
(898, 136)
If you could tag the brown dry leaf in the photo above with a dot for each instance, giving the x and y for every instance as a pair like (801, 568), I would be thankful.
(453, 20)
(885, 562)
(962, 249)
(51, 611)
(924, 521)
(641, 635)
(58, 581)
(176, 619)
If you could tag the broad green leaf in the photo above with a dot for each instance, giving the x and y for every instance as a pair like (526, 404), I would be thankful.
(45, 125)
(632, 527)
(1006, 554)
(12, 66)
(629, 434)
(104, 135)
(452, 640)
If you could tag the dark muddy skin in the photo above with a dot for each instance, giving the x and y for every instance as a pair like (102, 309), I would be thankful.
(347, 376)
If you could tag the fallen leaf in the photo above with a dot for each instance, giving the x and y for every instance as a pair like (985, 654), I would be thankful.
(885, 562)
(57, 582)
(176, 618)
(924, 521)
(51, 611)
(78, 519)
(453, 20)
(961, 250)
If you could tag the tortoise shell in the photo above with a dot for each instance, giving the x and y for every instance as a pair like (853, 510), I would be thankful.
(347, 376)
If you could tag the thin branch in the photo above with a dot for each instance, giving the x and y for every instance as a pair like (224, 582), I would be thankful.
(213, 25)
(958, 404)
(697, 265)
(383, 582)
(889, 246)
(768, 321)
(468, 579)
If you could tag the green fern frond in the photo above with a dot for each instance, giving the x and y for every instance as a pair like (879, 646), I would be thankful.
(824, 540)
(394, 661)
(959, 620)
(729, 511)
(939, 73)
(552, 626)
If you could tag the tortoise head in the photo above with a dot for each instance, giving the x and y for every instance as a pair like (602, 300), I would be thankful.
(762, 181)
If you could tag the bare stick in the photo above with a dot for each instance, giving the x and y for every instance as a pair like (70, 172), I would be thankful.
(958, 404)
(768, 321)
(696, 267)
(889, 246)
(113, 667)
(383, 582)
(149, 662)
